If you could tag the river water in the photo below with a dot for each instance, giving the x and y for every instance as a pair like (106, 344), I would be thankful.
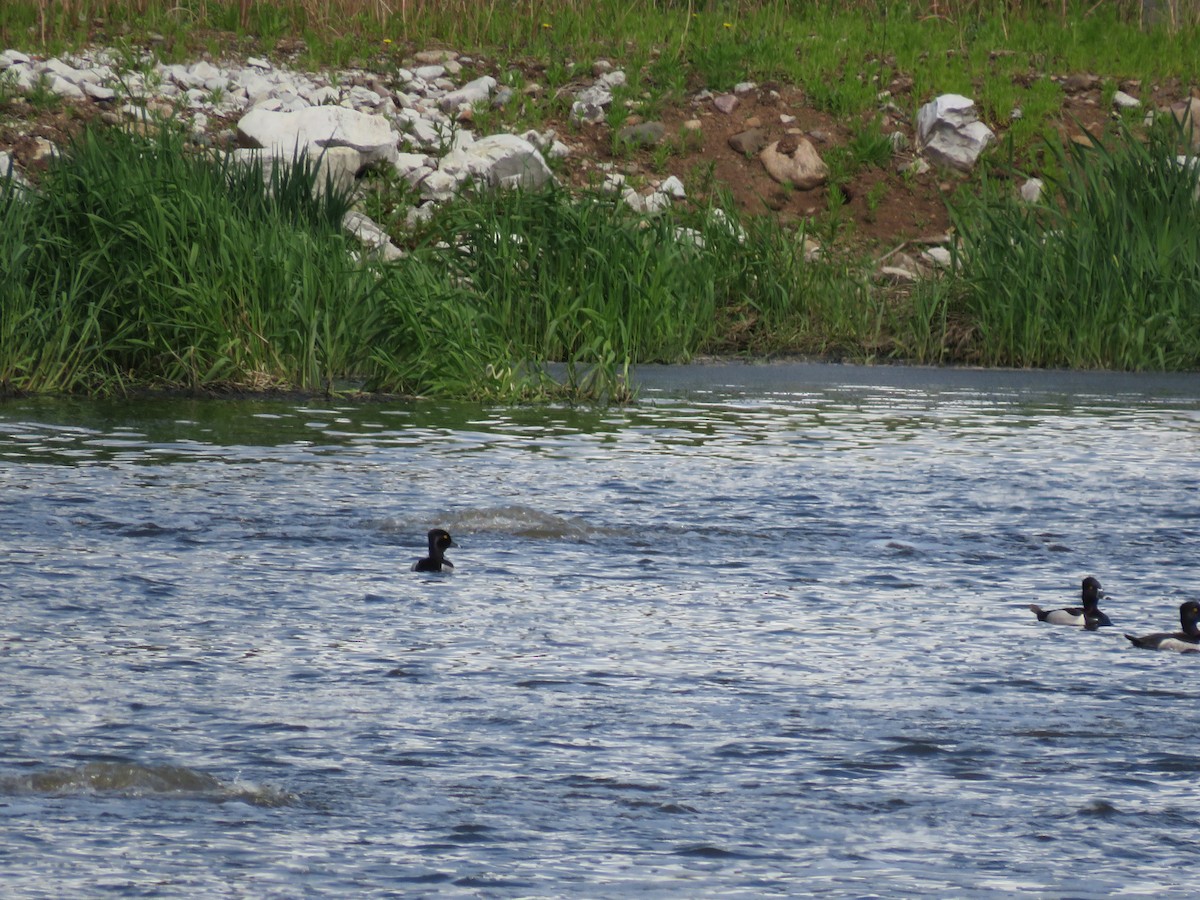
(764, 633)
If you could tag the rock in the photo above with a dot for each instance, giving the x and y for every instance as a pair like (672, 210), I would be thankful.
(336, 169)
(748, 143)
(499, 160)
(673, 188)
(370, 235)
(937, 258)
(438, 187)
(1187, 114)
(429, 73)
(422, 131)
(794, 160)
(412, 167)
(287, 133)
(434, 57)
(744, 87)
(586, 113)
(9, 58)
(600, 93)
(9, 173)
(644, 134)
(477, 91)
(64, 88)
(1074, 84)
(1122, 100)
(950, 134)
(725, 103)
(1031, 190)
(897, 275)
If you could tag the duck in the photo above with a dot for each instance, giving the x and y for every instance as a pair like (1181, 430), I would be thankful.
(1186, 641)
(1087, 616)
(439, 541)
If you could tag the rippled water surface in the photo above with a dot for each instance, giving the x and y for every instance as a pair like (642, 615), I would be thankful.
(765, 633)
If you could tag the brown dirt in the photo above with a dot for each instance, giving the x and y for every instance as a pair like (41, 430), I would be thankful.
(884, 207)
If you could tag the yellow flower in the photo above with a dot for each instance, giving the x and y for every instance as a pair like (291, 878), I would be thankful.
(545, 24)
(387, 40)
(727, 25)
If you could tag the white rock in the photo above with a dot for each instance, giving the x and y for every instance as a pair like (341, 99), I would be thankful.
(429, 73)
(360, 96)
(938, 257)
(499, 160)
(1122, 100)
(64, 88)
(57, 67)
(477, 91)
(673, 188)
(614, 182)
(412, 167)
(98, 91)
(323, 96)
(199, 74)
(1031, 190)
(10, 58)
(438, 186)
(323, 126)
(949, 132)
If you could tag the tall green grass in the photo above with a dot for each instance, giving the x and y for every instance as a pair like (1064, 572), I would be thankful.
(1106, 273)
(142, 262)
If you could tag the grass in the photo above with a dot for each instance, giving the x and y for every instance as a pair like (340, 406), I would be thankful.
(1104, 274)
(147, 263)
(141, 262)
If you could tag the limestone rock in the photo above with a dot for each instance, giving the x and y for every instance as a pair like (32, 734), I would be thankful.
(477, 91)
(949, 132)
(499, 160)
(287, 133)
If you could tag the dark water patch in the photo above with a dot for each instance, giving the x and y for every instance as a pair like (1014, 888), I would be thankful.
(707, 851)
(1172, 762)
(611, 784)
(1099, 809)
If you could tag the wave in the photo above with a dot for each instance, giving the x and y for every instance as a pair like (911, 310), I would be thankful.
(133, 780)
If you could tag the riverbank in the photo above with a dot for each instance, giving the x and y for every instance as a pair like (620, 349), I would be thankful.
(698, 248)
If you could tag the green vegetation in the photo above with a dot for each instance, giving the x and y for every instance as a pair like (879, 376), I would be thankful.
(137, 262)
(147, 262)
(1106, 274)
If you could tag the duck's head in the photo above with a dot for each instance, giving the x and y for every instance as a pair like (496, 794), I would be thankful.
(1189, 616)
(440, 541)
(1091, 592)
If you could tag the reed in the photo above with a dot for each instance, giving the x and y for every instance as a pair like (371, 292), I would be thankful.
(1104, 274)
(139, 262)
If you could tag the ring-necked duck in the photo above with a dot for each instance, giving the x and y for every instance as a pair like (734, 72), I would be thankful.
(1186, 641)
(1087, 616)
(439, 541)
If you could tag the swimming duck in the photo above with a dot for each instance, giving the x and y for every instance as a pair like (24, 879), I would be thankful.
(439, 541)
(1186, 641)
(1087, 616)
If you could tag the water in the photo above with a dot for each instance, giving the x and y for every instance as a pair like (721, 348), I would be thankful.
(764, 634)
